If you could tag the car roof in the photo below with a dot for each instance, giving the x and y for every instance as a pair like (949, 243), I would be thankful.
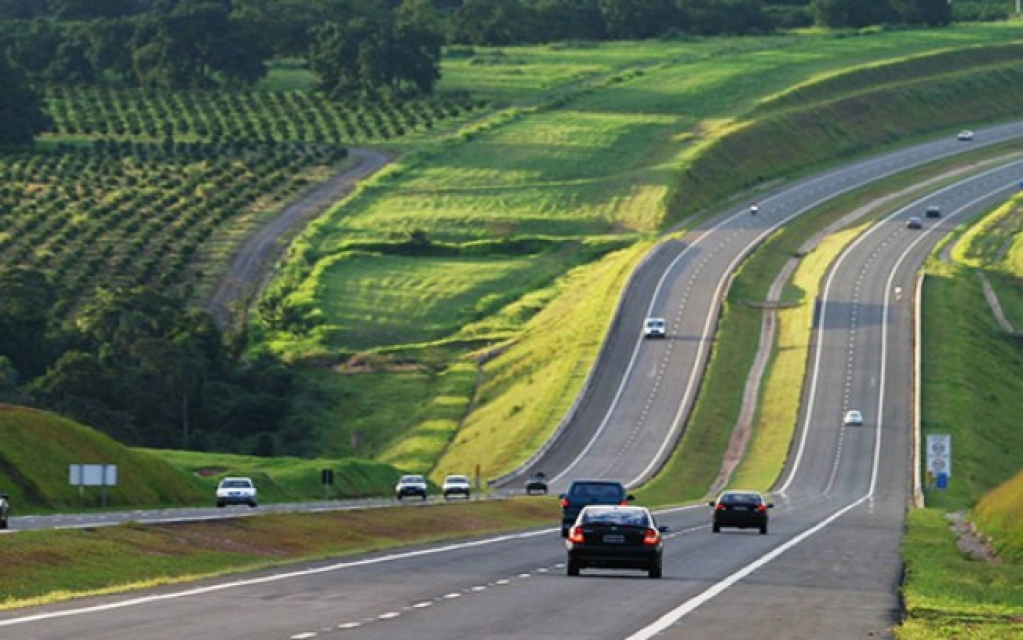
(466, 478)
(653, 320)
(412, 477)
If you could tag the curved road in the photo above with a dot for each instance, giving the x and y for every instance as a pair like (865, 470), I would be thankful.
(827, 568)
(639, 395)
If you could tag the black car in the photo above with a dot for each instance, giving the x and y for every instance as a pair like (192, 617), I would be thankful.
(932, 211)
(5, 509)
(741, 509)
(582, 493)
(615, 537)
(537, 483)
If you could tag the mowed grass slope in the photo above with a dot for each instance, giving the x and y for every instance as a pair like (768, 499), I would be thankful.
(971, 390)
(38, 447)
(620, 151)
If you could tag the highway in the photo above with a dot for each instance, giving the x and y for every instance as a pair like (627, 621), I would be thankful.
(827, 569)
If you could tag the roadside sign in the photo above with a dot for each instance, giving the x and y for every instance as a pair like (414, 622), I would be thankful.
(939, 458)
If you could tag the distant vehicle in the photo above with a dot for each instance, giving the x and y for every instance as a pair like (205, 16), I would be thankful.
(914, 223)
(537, 483)
(933, 211)
(654, 328)
(754, 209)
(583, 493)
(965, 135)
(740, 509)
(852, 418)
(456, 486)
(5, 509)
(615, 537)
(410, 486)
(236, 491)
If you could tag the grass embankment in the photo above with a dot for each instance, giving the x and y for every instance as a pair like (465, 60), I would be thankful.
(622, 145)
(48, 566)
(971, 376)
(38, 448)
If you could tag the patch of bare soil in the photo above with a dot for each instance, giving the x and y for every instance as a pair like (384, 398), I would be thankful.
(970, 541)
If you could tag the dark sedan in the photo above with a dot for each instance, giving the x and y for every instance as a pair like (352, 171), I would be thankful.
(5, 508)
(741, 509)
(615, 537)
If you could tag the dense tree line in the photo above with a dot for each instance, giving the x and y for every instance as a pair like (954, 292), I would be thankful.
(370, 46)
(141, 366)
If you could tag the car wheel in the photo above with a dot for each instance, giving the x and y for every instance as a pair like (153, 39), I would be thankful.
(763, 529)
(572, 568)
(398, 497)
(423, 497)
(3, 523)
(220, 505)
(716, 528)
(253, 504)
(655, 572)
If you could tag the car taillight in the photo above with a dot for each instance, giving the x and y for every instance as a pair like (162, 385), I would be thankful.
(575, 535)
(652, 536)
(720, 507)
(564, 503)
(762, 508)
(624, 503)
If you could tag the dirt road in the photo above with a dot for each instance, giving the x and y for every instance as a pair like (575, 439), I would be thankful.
(252, 267)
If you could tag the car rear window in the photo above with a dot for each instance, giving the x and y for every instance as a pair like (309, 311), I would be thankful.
(592, 491)
(630, 517)
(740, 498)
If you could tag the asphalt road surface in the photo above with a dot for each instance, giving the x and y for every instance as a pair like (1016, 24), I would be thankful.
(827, 569)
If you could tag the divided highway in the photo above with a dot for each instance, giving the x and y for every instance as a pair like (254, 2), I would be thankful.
(827, 568)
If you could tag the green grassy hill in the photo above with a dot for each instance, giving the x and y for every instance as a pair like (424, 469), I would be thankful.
(36, 449)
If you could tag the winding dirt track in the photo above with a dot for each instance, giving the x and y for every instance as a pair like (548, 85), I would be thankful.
(251, 268)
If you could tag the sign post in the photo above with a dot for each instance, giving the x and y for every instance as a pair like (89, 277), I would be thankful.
(939, 459)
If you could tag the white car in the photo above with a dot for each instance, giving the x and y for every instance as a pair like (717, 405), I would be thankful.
(457, 486)
(852, 418)
(965, 135)
(236, 491)
(654, 328)
(410, 485)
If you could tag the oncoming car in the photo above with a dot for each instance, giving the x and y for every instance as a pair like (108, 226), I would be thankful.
(457, 486)
(236, 491)
(740, 509)
(965, 135)
(5, 509)
(410, 485)
(932, 211)
(615, 537)
(914, 223)
(654, 328)
(537, 483)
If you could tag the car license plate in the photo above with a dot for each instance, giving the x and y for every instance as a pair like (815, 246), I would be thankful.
(614, 538)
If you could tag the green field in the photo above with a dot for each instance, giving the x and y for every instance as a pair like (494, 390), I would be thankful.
(638, 138)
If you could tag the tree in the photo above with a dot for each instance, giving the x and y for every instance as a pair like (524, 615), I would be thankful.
(375, 53)
(26, 313)
(491, 22)
(933, 13)
(853, 14)
(715, 17)
(638, 19)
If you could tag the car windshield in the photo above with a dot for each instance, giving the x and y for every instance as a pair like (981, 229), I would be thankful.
(458, 480)
(412, 478)
(629, 517)
(235, 484)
